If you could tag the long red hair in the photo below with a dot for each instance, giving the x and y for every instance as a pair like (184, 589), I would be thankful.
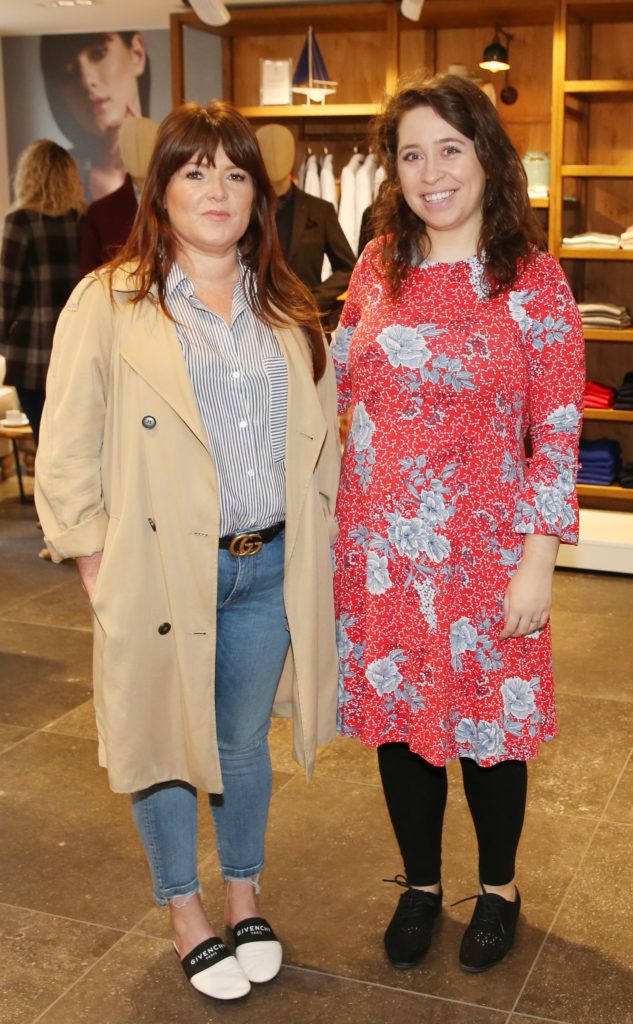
(193, 133)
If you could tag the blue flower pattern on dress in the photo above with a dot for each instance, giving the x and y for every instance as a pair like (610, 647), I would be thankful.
(426, 382)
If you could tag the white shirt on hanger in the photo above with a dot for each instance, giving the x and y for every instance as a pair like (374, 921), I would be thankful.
(312, 185)
(327, 182)
(364, 192)
(379, 177)
(347, 205)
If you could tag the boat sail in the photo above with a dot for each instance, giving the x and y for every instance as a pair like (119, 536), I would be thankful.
(311, 78)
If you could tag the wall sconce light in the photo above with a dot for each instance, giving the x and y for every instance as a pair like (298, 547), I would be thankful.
(411, 9)
(496, 55)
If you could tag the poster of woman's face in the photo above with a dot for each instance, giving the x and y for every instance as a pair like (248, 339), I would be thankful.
(94, 82)
(77, 90)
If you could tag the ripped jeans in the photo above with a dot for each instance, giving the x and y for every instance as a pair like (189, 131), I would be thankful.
(251, 647)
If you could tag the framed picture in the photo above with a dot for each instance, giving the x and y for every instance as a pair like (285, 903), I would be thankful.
(275, 82)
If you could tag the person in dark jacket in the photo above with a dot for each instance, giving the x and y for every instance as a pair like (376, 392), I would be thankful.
(39, 266)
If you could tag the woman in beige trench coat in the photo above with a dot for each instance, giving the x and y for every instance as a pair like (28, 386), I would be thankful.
(189, 462)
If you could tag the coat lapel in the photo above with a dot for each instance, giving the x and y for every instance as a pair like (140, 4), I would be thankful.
(150, 346)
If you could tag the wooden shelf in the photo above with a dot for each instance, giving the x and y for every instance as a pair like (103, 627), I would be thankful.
(602, 334)
(600, 10)
(609, 415)
(596, 87)
(597, 170)
(568, 252)
(612, 491)
(312, 110)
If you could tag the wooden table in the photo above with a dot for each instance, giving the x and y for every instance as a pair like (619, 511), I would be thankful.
(14, 434)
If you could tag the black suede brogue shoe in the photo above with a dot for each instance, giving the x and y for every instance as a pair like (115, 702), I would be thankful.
(490, 934)
(409, 933)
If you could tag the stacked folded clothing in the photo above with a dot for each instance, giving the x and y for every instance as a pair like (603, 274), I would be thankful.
(626, 238)
(600, 461)
(626, 474)
(598, 396)
(604, 314)
(593, 240)
(624, 396)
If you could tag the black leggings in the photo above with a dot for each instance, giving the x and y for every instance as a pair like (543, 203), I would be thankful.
(416, 792)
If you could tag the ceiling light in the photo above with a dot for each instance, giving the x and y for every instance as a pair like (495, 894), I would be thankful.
(411, 9)
(497, 56)
(212, 12)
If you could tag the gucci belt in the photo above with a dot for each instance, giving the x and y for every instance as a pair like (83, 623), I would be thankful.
(241, 544)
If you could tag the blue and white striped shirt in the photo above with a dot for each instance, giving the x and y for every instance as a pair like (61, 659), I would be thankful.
(240, 380)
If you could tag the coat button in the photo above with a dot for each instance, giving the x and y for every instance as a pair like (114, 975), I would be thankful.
(149, 422)
(164, 628)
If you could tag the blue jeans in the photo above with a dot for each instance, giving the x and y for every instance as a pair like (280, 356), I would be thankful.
(252, 643)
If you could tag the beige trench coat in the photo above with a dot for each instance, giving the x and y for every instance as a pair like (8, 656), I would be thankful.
(148, 497)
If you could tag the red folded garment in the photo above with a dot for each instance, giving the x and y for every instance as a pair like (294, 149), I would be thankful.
(594, 388)
(597, 403)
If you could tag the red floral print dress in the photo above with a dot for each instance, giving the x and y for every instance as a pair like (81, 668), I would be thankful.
(437, 494)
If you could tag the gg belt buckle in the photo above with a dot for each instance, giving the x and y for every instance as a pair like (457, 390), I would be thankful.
(246, 544)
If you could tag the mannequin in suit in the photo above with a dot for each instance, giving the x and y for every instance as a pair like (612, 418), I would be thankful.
(109, 220)
(308, 227)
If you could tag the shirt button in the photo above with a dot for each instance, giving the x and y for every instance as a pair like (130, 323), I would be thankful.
(235, 374)
(164, 628)
(243, 424)
(250, 472)
(148, 422)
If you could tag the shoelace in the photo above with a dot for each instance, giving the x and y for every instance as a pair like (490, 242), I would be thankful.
(411, 899)
(487, 912)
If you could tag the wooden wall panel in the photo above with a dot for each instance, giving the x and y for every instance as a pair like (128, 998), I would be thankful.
(356, 61)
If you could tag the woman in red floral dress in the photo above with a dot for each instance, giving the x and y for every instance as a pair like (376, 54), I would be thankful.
(459, 338)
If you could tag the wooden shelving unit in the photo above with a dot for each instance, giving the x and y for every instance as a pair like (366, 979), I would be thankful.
(609, 415)
(368, 45)
(592, 157)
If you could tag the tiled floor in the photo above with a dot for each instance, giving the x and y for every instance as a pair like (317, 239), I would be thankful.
(82, 942)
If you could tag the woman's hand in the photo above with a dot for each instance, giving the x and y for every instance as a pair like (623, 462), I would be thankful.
(88, 566)
(528, 598)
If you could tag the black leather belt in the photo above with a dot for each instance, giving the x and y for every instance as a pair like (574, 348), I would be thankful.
(240, 544)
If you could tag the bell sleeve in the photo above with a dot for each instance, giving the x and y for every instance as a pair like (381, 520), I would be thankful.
(552, 333)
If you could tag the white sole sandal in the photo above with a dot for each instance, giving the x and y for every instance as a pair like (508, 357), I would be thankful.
(213, 970)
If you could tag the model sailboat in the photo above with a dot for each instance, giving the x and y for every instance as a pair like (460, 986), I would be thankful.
(311, 78)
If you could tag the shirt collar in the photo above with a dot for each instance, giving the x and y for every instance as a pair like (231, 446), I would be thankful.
(177, 281)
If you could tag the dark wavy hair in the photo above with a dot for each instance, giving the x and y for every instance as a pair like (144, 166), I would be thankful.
(192, 132)
(510, 230)
(55, 54)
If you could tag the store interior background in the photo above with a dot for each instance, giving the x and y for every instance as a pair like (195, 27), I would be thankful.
(80, 938)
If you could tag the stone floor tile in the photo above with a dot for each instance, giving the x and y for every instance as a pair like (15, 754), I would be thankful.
(64, 605)
(145, 985)
(280, 740)
(45, 672)
(79, 722)
(577, 771)
(585, 972)
(27, 577)
(349, 759)
(591, 634)
(40, 956)
(603, 594)
(72, 848)
(10, 734)
(329, 847)
(620, 807)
